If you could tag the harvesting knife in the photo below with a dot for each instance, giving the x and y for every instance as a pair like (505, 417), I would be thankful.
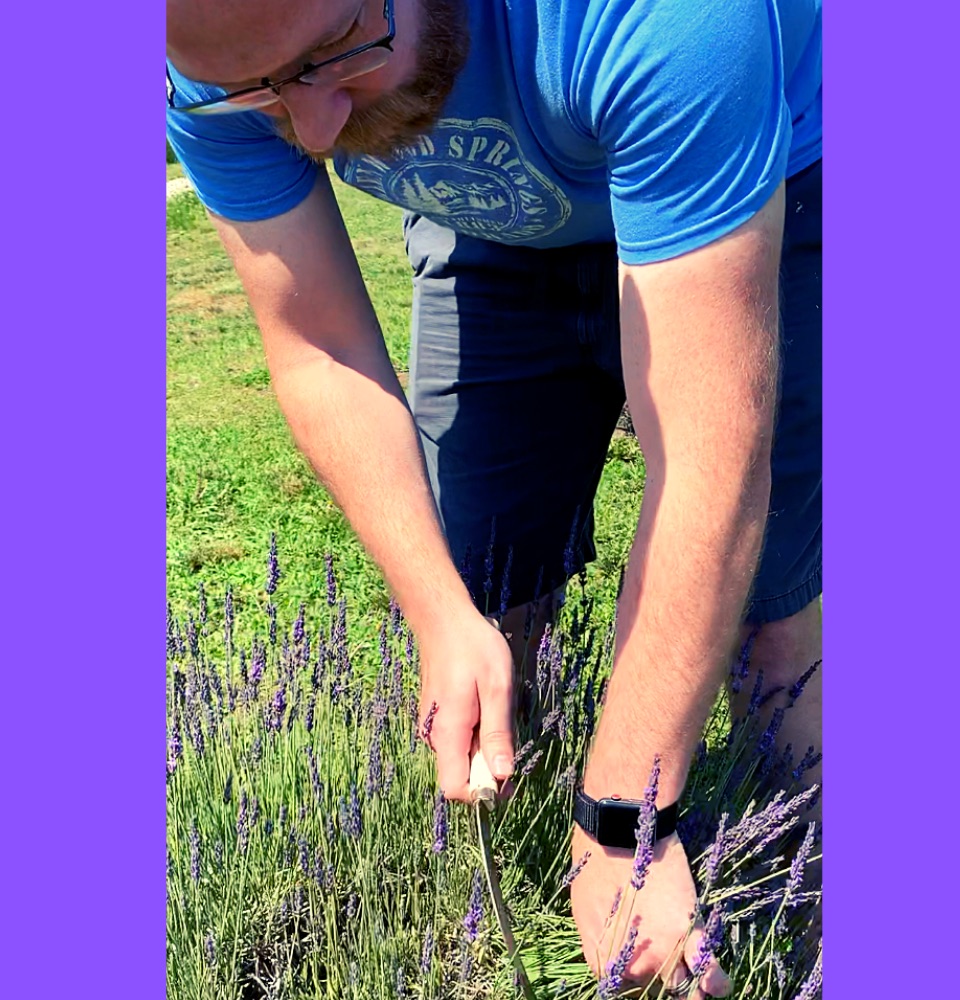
(483, 794)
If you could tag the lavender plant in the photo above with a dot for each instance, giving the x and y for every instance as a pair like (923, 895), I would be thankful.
(309, 853)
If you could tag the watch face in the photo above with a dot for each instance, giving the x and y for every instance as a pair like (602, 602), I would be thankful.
(617, 823)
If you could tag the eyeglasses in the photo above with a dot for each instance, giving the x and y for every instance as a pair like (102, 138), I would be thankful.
(347, 66)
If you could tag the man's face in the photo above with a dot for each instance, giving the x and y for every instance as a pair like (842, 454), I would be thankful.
(235, 43)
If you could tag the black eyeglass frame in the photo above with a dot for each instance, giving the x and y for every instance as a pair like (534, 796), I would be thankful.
(386, 42)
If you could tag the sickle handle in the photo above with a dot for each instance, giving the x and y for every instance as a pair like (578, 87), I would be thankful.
(483, 785)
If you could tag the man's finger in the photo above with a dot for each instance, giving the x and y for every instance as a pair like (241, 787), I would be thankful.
(496, 726)
(713, 982)
(451, 744)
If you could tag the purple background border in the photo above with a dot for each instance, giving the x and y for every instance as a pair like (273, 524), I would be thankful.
(83, 512)
(83, 508)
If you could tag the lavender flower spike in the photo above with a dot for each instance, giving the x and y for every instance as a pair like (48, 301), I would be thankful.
(800, 861)
(273, 567)
(710, 942)
(646, 829)
(440, 824)
(471, 922)
(575, 870)
(609, 985)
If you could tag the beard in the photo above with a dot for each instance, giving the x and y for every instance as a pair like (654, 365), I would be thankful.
(396, 120)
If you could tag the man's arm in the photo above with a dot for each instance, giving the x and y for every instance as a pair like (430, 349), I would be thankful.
(699, 342)
(348, 415)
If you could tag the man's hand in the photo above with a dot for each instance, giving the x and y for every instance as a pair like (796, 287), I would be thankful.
(467, 673)
(661, 912)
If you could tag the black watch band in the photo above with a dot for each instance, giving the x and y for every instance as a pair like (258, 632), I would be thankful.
(612, 822)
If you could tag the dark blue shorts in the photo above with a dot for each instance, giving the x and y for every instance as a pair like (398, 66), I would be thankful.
(516, 387)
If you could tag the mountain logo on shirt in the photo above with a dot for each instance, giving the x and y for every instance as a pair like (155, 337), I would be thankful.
(469, 175)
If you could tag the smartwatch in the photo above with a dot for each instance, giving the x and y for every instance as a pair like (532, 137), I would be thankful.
(612, 822)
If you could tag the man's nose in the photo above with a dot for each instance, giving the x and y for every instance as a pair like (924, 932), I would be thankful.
(317, 113)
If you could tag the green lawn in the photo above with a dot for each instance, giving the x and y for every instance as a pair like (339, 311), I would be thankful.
(234, 475)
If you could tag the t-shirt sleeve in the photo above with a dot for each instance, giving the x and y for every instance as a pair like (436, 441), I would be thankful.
(239, 166)
(686, 101)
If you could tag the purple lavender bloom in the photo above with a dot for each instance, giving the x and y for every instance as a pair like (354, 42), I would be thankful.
(396, 618)
(228, 789)
(715, 856)
(193, 639)
(374, 768)
(389, 773)
(440, 824)
(353, 905)
(299, 626)
(243, 824)
(196, 734)
(543, 658)
(567, 779)
(258, 662)
(770, 733)
(710, 942)
(174, 744)
(331, 581)
(616, 903)
(194, 851)
(609, 985)
(466, 964)
(171, 633)
(277, 708)
(426, 955)
(409, 651)
(311, 709)
(228, 618)
(741, 668)
(471, 922)
(550, 720)
(256, 751)
(272, 615)
(303, 855)
(202, 605)
(810, 759)
(314, 774)
(780, 969)
(800, 861)
(531, 764)
(401, 983)
(646, 829)
(488, 561)
(210, 948)
(523, 751)
(273, 567)
(427, 727)
(575, 870)
(505, 583)
(756, 694)
(797, 689)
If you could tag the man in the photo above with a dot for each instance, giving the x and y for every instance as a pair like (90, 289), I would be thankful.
(603, 198)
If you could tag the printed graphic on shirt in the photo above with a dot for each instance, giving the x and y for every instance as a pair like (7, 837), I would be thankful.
(469, 175)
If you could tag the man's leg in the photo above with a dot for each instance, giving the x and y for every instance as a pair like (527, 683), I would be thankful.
(784, 650)
(516, 389)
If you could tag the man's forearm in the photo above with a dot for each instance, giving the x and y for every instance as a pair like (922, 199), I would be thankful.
(684, 590)
(352, 423)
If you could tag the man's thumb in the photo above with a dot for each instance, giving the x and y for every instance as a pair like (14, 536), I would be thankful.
(497, 749)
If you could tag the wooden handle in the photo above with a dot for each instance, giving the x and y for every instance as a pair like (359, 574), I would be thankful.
(483, 785)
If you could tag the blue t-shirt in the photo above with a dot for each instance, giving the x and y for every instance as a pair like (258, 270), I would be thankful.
(664, 124)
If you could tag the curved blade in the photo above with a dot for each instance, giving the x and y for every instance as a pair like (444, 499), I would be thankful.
(483, 792)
